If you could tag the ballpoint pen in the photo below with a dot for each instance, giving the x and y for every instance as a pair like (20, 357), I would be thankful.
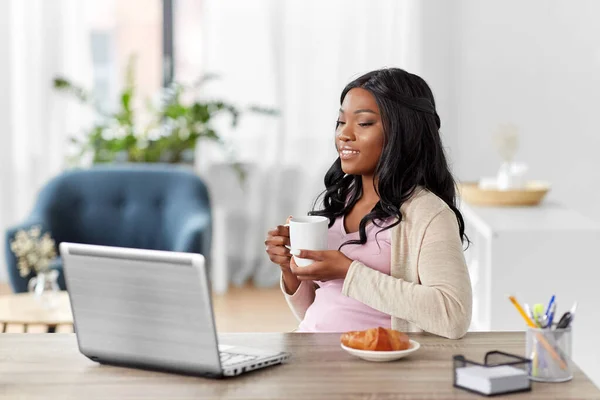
(551, 316)
(550, 305)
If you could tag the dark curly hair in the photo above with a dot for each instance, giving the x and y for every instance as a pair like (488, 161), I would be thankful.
(412, 154)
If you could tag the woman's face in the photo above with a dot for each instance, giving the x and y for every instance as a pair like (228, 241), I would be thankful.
(359, 133)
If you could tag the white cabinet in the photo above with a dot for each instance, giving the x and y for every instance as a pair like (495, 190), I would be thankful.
(533, 253)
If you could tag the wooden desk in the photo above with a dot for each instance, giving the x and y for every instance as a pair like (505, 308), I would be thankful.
(22, 312)
(50, 367)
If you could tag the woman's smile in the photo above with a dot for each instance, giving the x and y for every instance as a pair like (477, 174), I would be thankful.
(347, 152)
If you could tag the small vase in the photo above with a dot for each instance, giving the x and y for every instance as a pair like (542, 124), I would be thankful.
(44, 287)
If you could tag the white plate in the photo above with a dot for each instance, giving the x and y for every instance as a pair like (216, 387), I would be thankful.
(382, 356)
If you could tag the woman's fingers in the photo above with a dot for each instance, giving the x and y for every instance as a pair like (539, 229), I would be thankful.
(277, 241)
(275, 245)
(310, 270)
(278, 250)
(283, 230)
(280, 260)
(310, 278)
(311, 254)
(280, 230)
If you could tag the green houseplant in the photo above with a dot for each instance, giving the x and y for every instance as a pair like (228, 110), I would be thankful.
(174, 129)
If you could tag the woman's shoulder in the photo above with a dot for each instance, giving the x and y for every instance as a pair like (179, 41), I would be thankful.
(423, 206)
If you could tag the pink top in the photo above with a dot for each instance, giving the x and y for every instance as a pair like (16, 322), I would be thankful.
(334, 312)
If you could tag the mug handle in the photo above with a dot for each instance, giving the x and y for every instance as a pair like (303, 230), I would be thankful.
(287, 226)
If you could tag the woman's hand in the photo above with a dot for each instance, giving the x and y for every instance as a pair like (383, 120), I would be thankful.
(327, 265)
(275, 244)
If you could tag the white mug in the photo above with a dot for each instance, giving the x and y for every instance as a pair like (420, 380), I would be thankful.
(308, 233)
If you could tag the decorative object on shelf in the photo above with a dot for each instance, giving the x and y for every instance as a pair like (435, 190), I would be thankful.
(531, 194)
(175, 125)
(509, 187)
(511, 173)
(34, 252)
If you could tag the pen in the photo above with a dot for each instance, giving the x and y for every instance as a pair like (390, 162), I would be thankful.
(550, 305)
(567, 318)
(540, 337)
(551, 316)
(528, 320)
(573, 309)
(565, 321)
(538, 315)
(540, 319)
(528, 310)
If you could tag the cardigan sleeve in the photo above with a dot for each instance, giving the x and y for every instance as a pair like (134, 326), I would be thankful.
(301, 299)
(441, 302)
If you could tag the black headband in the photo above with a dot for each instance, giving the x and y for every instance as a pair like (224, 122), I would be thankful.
(416, 103)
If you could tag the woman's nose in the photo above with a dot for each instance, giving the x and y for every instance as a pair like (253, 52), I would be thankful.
(345, 133)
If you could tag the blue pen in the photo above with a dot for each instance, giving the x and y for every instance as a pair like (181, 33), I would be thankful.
(551, 316)
(549, 306)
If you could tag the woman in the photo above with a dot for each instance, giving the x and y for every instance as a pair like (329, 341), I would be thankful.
(396, 237)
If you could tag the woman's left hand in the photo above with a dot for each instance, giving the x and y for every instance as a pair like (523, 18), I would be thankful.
(327, 265)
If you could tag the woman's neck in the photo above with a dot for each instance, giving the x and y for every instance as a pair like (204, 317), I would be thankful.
(369, 195)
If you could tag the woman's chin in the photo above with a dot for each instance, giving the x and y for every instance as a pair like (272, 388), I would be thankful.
(350, 169)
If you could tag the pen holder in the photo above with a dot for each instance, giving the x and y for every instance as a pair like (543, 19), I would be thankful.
(550, 354)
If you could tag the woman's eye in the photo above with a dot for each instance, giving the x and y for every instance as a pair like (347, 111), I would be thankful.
(365, 124)
(338, 123)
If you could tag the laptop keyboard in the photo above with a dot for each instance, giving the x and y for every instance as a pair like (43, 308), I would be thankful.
(228, 359)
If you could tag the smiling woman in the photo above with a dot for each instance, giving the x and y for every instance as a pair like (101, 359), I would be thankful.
(395, 257)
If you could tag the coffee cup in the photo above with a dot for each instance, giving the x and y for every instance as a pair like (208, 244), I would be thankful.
(308, 233)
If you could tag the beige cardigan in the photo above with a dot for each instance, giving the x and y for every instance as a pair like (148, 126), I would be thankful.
(429, 288)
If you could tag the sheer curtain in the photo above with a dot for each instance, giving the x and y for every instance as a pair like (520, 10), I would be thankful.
(297, 56)
(39, 40)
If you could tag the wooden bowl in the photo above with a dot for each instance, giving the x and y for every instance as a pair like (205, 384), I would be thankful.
(530, 195)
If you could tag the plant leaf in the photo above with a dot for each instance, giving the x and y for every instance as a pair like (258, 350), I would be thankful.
(78, 92)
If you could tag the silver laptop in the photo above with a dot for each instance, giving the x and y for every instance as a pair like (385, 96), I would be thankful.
(150, 309)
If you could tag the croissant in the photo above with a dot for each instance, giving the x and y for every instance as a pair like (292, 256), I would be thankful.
(378, 339)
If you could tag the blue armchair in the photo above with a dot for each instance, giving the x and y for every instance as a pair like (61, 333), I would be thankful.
(146, 206)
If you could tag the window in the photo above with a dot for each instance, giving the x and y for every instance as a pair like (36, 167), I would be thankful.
(187, 40)
(161, 37)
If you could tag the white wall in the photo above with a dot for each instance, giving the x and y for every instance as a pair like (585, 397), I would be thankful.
(536, 64)
(436, 66)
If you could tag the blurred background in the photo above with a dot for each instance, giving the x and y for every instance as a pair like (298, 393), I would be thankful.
(245, 93)
(532, 64)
